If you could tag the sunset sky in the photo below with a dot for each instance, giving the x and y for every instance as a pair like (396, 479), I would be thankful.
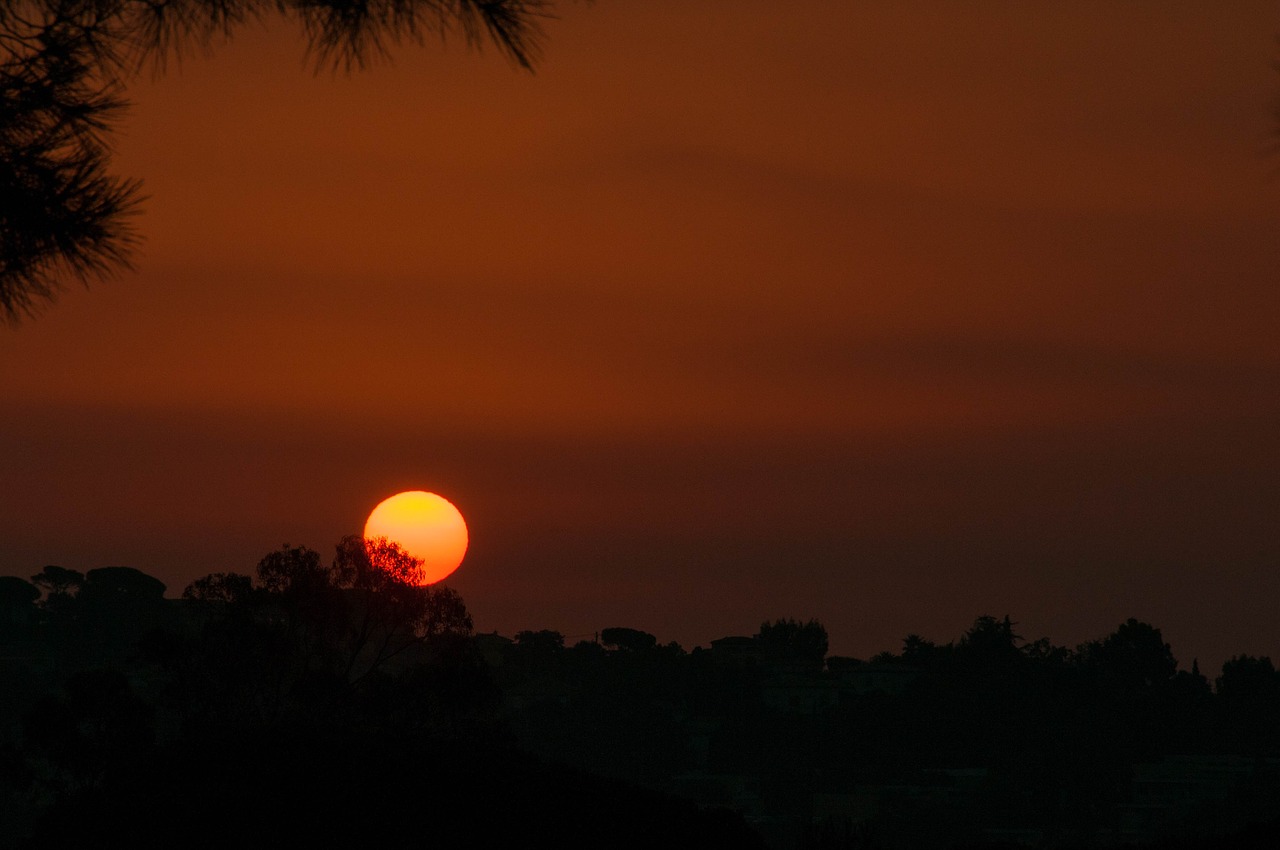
(888, 314)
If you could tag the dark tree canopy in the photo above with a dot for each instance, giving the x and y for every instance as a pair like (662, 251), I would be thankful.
(632, 640)
(1134, 655)
(1245, 678)
(540, 641)
(17, 604)
(795, 641)
(58, 581)
(226, 588)
(63, 66)
(990, 640)
(120, 585)
(16, 591)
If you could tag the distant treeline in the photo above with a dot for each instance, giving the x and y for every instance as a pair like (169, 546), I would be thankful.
(335, 701)
(315, 704)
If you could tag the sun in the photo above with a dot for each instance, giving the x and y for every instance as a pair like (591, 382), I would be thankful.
(426, 526)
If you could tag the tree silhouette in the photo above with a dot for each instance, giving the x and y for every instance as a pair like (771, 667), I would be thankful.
(990, 641)
(632, 640)
(319, 644)
(390, 611)
(120, 586)
(355, 614)
(17, 606)
(219, 588)
(1249, 694)
(795, 642)
(117, 605)
(63, 69)
(58, 583)
(1133, 657)
(540, 642)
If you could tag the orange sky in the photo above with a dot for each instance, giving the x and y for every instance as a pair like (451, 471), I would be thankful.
(888, 314)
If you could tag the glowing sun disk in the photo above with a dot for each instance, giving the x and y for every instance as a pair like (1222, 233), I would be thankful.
(424, 525)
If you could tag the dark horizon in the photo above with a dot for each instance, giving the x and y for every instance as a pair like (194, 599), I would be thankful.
(1021, 637)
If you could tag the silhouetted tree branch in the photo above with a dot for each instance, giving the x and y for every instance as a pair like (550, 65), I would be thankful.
(63, 65)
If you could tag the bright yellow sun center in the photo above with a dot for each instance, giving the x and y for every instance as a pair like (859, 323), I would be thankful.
(426, 526)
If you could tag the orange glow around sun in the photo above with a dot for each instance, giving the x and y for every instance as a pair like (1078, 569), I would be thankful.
(424, 525)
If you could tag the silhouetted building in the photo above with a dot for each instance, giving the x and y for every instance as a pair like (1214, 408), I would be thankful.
(493, 648)
(743, 652)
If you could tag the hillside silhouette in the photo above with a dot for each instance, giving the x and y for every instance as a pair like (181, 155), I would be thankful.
(323, 702)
